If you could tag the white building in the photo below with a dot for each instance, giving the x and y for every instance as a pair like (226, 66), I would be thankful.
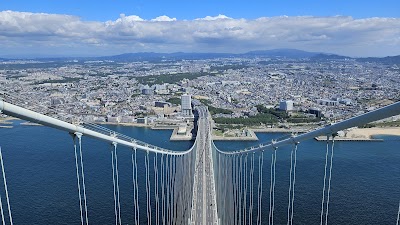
(286, 105)
(186, 105)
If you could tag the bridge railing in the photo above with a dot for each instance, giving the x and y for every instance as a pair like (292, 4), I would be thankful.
(100, 133)
(378, 114)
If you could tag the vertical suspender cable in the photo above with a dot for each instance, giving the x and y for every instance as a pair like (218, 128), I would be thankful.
(78, 179)
(240, 187)
(260, 169)
(234, 189)
(398, 215)
(273, 188)
(137, 189)
(156, 188)
(270, 190)
(290, 188)
(329, 182)
(168, 165)
(245, 192)
(83, 176)
(134, 189)
(261, 192)
(2, 212)
(172, 211)
(117, 181)
(170, 178)
(146, 161)
(184, 194)
(294, 182)
(147, 189)
(231, 189)
(162, 190)
(219, 184)
(6, 190)
(251, 189)
(114, 186)
(323, 189)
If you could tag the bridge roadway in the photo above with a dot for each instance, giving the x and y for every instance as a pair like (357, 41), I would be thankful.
(204, 211)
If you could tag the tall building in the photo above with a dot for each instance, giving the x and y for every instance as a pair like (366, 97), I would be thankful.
(186, 105)
(286, 105)
(146, 90)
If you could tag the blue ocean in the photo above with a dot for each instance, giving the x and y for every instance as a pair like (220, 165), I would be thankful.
(41, 177)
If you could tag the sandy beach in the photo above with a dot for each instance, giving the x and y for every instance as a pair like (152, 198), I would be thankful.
(5, 119)
(368, 132)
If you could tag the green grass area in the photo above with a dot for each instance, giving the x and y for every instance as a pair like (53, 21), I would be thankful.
(388, 124)
(368, 125)
(218, 133)
(279, 114)
(205, 102)
(134, 95)
(65, 80)
(168, 78)
(175, 101)
(249, 121)
(303, 120)
(214, 110)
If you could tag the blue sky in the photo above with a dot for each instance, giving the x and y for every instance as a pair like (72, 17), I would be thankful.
(187, 9)
(107, 27)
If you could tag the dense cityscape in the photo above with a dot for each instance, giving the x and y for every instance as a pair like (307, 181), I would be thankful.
(149, 91)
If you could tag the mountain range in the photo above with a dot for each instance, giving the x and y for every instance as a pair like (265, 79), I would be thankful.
(273, 53)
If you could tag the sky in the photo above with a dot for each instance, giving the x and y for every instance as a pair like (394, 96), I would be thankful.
(93, 28)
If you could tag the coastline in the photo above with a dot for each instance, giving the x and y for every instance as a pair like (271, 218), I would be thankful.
(352, 134)
(279, 130)
(370, 132)
(251, 137)
(364, 134)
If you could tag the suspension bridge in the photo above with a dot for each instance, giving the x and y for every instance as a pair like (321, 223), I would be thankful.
(202, 185)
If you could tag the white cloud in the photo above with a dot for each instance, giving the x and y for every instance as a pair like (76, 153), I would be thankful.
(211, 18)
(338, 34)
(164, 18)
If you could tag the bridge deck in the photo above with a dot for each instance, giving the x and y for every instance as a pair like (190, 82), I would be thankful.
(204, 201)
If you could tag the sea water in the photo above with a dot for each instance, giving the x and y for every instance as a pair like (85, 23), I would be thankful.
(42, 183)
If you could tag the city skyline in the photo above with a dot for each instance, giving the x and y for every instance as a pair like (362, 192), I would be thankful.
(113, 27)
